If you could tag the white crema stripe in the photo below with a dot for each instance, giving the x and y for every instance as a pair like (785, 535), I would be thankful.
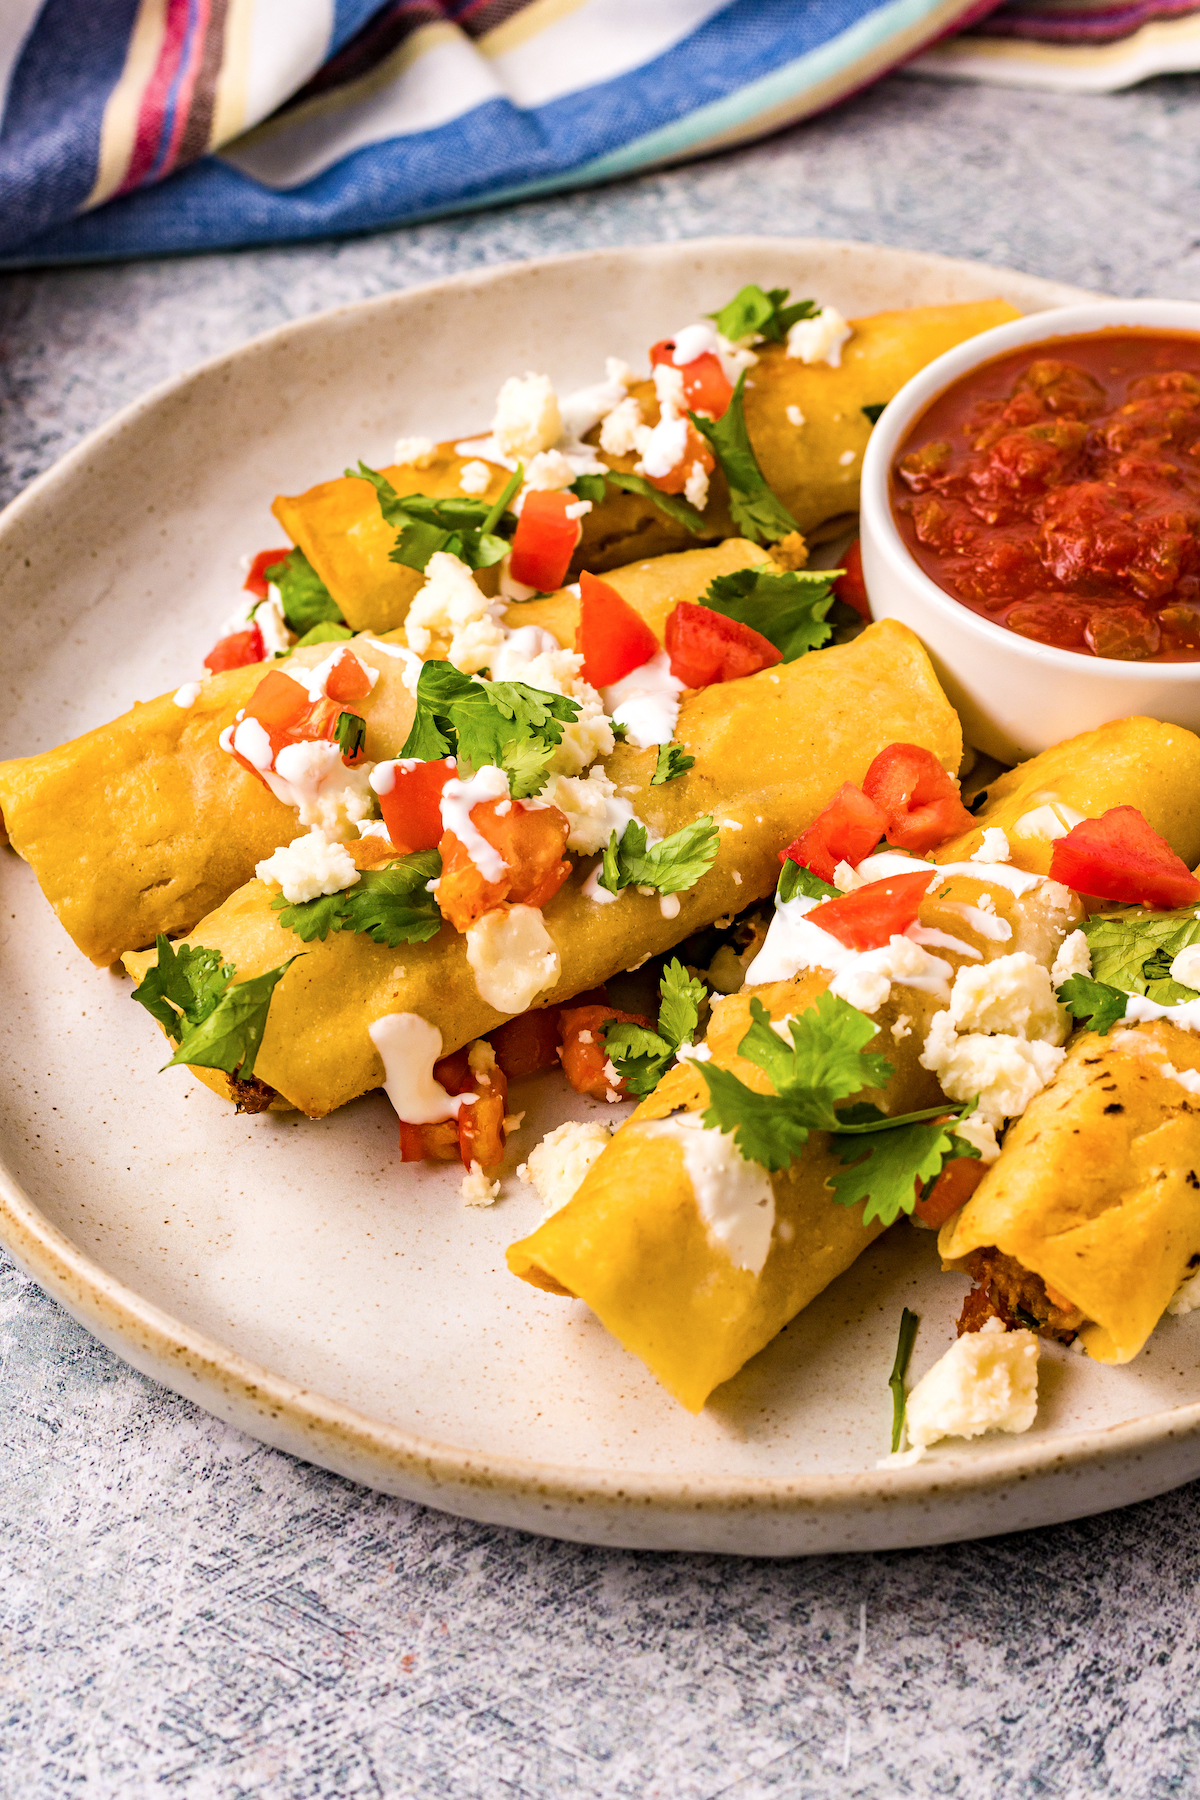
(734, 1197)
(410, 1046)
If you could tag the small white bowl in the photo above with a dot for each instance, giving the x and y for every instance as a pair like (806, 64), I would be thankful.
(1015, 696)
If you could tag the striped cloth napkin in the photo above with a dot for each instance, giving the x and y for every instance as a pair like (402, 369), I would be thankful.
(137, 127)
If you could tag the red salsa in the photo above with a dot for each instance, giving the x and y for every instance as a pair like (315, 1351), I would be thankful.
(1056, 490)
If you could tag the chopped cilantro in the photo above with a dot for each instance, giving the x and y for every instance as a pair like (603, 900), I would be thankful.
(675, 509)
(904, 1349)
(795, 879)
(677, 862)
(1094, 1003)
(789, 610)
(755, 313)
(619, 730)
(642, 1056)
(327, 632)
(754, 508)
(826, 1060)
(350, 733)
(1133, 950)
(222, 1025)
(589, 487)
(305, 599)
(873, 411)
(391, 905)
(476, 533)
(672, 762)
(500, 722)
(898, 1153)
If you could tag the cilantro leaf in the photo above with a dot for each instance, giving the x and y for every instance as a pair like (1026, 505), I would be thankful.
(230, 1035)
(754, 508)
(1094, 1003)
(350, 733)
(305, 599)
(187, 980)
(826, 1061)
(677, 862)
(904, 1348)
(391, 905)
(886, 1166)
(472, 530)
(753, 313)
(672, 762)
(327, 632)
(503, 723)
(873, 411)
(795, 879)
(589, 487)
(675, 509)
(642, 1055)
(787, 609)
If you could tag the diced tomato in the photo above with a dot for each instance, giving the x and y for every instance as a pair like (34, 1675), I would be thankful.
(952, 1189)
(256, 581)
(705, 646)
(530, 1042)
(531, 840)
(236, 651)
(868, 916)
(706, 387)
(1121, 857)
(348, 679)
(438, 1142)
(847, 830)
(922, 803)
(287, 715)
(412, 807)
(583, 1054)
(696, 450)
(850, 586)
(481, 1125)
(613, 638)
(544, 541)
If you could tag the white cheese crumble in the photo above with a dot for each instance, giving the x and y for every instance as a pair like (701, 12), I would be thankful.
(557, 1166)
(527, 416)
(549, 471)
(448, 602)
(993, 848)
(695, 488)
(795, 416)
(308, 867)
(310, 776)
(734, 1197)
(187, 695)
(1006, 1072)
(986, 1381)
(414, 452)
(473, 477)
(619, 432)
(846, 458)
(663, 448)
(268, 616)
(819, 339)
(979, 1134)
(1074, 958)
(477, 1190)
(593, 808)
(1010, 994)
(513, 957)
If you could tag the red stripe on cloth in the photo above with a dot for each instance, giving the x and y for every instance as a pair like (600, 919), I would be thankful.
(156, 97)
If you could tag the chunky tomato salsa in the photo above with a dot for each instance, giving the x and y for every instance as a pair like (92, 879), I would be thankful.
(1056, 491)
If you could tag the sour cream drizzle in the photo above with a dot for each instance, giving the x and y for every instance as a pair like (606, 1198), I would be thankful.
(458, 797)
(646, 702)
(734, 1197)
(409, 1046)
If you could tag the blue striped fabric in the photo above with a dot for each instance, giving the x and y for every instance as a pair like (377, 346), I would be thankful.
(123, 124)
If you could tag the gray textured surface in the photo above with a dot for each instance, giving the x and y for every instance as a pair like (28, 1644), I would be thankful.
(184, 1612)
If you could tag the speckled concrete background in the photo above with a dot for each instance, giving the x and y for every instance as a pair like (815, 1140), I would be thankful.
(185, 1613)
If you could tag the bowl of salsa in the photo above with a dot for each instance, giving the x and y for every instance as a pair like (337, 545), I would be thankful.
(1031, 508)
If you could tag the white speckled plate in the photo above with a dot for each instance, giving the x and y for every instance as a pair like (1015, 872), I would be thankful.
(293, 1276)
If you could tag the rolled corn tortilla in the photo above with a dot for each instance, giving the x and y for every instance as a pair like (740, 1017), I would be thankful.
(814, 467)
(769, 749)
(633, 1243)
(1097, 1188)
(145, 824)
(1129, 762)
